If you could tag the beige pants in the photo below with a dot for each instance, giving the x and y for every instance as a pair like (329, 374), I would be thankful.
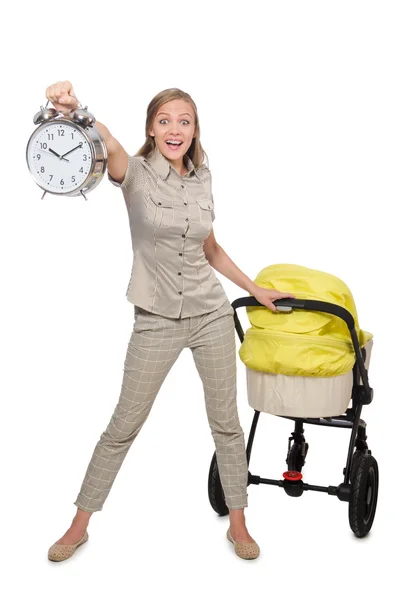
(155, 344)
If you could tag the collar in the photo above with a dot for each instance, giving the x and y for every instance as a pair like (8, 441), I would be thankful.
(162, 166)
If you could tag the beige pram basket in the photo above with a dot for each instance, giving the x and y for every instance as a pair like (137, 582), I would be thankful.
(302, 396)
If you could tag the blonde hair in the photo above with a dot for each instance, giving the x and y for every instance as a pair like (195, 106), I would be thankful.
(195, 152)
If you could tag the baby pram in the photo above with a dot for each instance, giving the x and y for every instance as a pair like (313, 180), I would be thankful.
(309, 362)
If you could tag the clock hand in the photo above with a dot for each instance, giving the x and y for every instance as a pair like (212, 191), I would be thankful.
(72, 150)
(52, 151)
(56, 154)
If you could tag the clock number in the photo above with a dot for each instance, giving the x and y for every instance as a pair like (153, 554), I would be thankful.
(84, 157)
(42, 169)
(61, 132)
(73, 179)
(43, 145)
(50, 136)
(81, 170)
(81, 144)
(51, 177)
(62, 182)
(38, 156)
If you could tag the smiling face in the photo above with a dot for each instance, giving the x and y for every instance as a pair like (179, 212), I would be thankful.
(174, 122)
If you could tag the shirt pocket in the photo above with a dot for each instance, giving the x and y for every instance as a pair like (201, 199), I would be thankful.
(206, 209)
(160, 209)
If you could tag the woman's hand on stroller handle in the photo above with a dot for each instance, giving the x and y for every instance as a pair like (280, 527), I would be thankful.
(266, 297)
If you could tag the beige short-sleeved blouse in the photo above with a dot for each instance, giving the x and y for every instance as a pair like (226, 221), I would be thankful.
(170, 217)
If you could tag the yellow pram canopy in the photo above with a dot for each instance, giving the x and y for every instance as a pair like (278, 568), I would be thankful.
(302, 342)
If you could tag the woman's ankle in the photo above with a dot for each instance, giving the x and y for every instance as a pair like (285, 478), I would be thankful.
(81, 519)
(237, 515)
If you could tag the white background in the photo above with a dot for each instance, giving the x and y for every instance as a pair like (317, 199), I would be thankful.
(297, 104)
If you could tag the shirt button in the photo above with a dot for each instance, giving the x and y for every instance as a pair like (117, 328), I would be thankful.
(180, 253)
(183, 235)
(187, 218)
(159, 203)
(179, 273)
(185, 203)
(179, 292)
(182, 186)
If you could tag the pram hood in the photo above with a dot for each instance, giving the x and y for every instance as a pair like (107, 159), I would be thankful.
(306, 343)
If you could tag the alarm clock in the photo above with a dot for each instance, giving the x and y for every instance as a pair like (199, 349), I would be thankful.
(66, 154)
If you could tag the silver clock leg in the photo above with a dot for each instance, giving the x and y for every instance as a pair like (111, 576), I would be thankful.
(44, 194)
(82, 193)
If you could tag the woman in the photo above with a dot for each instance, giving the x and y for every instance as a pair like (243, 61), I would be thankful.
(179, 302)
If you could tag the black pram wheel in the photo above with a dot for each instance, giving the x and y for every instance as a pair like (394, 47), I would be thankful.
(215, 490)
(357, 455)
(296, 456)
(364, 494)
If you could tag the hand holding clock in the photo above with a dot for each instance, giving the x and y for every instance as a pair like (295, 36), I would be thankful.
(62, 96)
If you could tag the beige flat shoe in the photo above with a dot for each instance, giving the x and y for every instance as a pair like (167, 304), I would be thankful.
(247, 550)
(59, 552)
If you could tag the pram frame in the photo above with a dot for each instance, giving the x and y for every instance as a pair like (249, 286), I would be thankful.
(363, 394)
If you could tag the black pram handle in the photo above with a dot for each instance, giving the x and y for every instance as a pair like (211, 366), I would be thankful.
(317, 305)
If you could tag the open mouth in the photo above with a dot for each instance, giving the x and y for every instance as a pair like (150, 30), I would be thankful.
(174, 145)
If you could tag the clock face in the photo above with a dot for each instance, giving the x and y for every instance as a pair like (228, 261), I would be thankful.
(59, 157)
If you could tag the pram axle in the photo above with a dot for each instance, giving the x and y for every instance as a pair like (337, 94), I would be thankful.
(296, 488)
